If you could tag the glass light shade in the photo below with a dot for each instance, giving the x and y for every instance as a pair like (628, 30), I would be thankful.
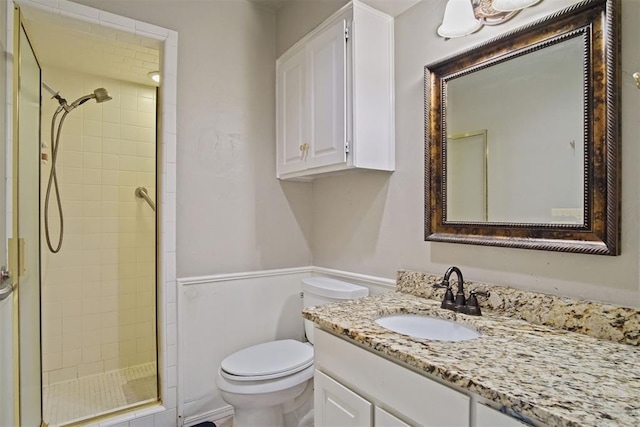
(155, 76)
(459, 19)
(512, 5)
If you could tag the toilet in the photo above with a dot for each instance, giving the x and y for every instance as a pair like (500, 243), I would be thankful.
(271, 384)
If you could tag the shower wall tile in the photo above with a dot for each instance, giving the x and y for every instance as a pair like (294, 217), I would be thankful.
(99, 290)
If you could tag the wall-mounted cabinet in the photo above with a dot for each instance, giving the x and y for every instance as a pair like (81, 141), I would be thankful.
(335, 102)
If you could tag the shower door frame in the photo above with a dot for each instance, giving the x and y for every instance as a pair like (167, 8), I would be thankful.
(24, 262)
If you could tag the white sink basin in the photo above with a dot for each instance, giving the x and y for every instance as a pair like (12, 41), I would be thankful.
(432, 328)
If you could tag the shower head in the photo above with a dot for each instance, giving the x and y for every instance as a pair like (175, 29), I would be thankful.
(100, 95)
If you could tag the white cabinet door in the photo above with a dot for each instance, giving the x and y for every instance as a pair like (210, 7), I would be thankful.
(384, 419)
(337, 406)
(291, 124)
(326, 86)
(489, 417)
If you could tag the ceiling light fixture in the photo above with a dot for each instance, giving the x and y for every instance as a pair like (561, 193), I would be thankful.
(464, 17)
(154, 75)
(459, 20)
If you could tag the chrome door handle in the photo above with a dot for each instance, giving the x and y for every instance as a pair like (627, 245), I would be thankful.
(6, 291)
(6, 284)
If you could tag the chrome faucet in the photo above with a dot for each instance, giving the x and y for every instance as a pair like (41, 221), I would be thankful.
(459, 302)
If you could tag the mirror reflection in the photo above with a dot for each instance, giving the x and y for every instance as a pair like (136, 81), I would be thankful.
(515, 150)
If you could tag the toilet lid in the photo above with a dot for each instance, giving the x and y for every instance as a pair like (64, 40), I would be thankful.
(271, 359)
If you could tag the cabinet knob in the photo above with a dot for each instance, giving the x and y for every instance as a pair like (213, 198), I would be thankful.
(304, 147)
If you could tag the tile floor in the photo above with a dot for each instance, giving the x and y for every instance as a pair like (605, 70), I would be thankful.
(99, 394)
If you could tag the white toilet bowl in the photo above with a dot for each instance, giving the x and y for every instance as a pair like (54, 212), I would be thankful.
(271, 384)
(266, 382)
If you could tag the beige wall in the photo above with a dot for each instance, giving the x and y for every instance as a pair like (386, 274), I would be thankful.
(98, 292)
(233, 215)
(372, 223)
(386, 233)
(295, 18)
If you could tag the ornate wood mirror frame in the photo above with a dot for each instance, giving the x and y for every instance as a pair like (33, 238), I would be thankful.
(595, 22)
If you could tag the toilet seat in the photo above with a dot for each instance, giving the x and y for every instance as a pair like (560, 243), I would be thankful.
(267, 361)
(264, 386)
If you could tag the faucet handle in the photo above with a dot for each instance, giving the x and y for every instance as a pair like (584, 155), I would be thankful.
(484, 294)
(447, 300)
(473, 308)
(442, 285)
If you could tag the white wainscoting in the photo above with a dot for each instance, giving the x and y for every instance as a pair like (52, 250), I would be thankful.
(221, 314)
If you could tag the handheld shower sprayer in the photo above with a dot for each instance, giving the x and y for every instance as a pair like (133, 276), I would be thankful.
(100, 95)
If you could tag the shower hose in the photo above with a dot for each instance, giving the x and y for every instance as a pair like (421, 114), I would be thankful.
(53, 179)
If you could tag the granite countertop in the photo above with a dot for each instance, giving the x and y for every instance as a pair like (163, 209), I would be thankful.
(553, 376)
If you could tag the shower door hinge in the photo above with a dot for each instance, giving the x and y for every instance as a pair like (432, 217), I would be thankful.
(22, 256)
(12, 246)
(346, 31)
(17, 252)
(347, 145)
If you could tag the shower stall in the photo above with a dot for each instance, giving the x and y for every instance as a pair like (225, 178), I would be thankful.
(89, 264)
(98, 266)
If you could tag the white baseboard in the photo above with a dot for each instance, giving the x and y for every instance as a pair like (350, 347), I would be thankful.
(218, 414)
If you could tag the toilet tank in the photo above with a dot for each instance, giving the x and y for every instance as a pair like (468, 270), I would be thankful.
(323, 290)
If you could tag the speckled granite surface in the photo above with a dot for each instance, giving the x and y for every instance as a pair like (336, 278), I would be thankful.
(598, 320)
(554, 376)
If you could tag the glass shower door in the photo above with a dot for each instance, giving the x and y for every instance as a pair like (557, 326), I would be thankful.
(6, 358)
(24, 245)
(20, 300)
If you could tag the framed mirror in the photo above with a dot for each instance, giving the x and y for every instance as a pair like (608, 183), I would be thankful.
(521, 137)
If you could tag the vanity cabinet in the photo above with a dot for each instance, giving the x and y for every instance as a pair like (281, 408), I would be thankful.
(334, 97)
(354, 387)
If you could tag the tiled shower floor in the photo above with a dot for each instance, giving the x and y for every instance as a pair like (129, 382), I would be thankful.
(96, 395)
